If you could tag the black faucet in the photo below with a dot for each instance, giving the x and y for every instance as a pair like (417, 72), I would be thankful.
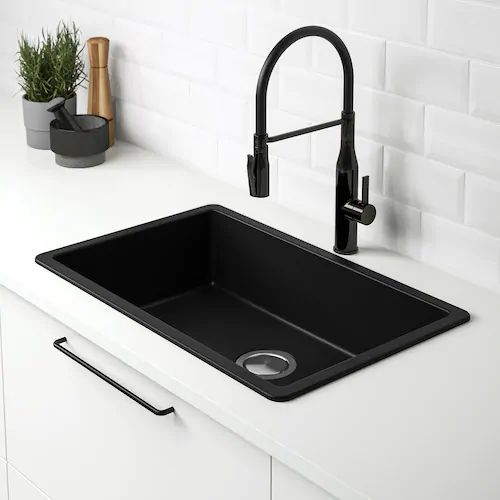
(349, 210)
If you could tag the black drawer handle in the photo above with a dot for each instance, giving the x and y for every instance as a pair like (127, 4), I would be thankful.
(58, 345)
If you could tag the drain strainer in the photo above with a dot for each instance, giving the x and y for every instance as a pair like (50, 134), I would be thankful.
(268, 364)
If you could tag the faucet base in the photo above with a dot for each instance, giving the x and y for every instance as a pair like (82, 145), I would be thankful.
(345, 252)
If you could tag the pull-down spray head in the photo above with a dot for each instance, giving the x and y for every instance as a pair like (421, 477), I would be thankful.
(258, 168)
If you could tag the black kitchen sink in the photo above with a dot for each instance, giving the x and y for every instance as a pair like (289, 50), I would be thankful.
(275, 313)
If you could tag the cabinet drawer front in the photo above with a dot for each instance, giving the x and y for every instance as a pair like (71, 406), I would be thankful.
(288, 485)
(21, 489)
(3, 480)
(77, 437)
(2, 423)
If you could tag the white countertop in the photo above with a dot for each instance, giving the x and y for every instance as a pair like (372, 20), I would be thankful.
(423, 424)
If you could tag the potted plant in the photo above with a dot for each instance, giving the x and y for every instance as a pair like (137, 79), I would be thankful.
(50, 67)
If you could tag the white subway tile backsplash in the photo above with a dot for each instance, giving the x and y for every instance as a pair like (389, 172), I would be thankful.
(188, 57)
(130, 120)
(307, 191)
(329, 13)
(219, 111)
(232, 162)
(8, 84)
(265, 29)
(227, 24)
(367, 53)
(370, 160)
(425, 184)
(270, 5)
(325, 146)
(32, 16)
(463, 141)
(485, 91)
(150, 88)
(460, 250)
(8, 47)
(184, 74)
(8, 50)
(296, 149)
(136, 42)
(482, 204)
(201, 110)
(180, 138)
(238, 72)
(396, 226)
(14, 12)
(90, 23)
(313, 96)
(428, 76)
(100, 6)
(390, 119)
(171, 138)
(466, 28)
(393, 19)
(164, 14)
(29, 18)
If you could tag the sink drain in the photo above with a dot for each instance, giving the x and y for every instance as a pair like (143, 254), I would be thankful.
(268, 364)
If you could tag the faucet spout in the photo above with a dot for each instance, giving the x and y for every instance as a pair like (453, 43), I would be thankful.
(349, 210)
(277, 52)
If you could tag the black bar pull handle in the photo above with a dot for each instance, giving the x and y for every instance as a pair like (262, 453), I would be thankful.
(58, 345)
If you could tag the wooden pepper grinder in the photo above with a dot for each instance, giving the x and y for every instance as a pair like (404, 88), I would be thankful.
(100, 103)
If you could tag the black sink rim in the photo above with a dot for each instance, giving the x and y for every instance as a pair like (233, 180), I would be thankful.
(455, 315)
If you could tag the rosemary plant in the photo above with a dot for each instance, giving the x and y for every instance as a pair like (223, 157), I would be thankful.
(52, 65)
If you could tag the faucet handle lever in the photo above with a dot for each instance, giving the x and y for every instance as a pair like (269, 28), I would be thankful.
(361, 211)
(365, 186)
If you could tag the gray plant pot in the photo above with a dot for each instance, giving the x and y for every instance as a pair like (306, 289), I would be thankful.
(37, 120)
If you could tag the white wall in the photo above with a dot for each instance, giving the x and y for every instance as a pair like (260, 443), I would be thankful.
(427, 104)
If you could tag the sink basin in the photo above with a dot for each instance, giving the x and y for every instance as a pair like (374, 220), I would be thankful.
(275, 313)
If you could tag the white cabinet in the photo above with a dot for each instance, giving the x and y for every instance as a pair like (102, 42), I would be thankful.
(2, 422)
(3, 480)
(77, 438)
(21, 489)
(288, 485)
